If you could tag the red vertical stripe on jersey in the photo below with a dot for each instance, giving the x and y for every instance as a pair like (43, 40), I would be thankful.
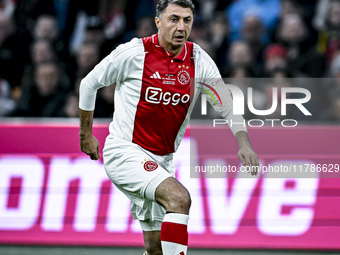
(165, 97)
(174, 233)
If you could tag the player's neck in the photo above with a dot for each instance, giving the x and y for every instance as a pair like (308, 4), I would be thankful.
(175, 51)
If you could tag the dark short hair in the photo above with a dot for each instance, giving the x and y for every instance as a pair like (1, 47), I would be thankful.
(163, 4)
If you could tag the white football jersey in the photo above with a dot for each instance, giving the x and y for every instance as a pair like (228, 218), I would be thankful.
(155, 92)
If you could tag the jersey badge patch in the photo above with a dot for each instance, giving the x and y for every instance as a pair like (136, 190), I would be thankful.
(183, 77)
(150, 165)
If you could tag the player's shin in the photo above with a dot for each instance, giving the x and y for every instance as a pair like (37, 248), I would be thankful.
(174, 234)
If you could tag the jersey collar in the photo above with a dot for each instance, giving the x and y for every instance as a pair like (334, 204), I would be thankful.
(165, 53)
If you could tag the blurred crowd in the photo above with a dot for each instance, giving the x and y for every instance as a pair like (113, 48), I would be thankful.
(48, 46)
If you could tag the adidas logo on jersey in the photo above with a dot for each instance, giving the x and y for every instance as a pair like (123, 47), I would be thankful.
(156, 75)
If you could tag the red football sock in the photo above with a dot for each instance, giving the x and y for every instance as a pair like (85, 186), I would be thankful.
(174, 234)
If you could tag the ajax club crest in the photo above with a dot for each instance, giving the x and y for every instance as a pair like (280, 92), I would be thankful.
(183, 77)
(149, 165)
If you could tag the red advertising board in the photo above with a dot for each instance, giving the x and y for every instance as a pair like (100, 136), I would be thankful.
(52, 194)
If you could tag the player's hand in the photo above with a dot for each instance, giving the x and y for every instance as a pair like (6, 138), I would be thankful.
(90, 146)
(249, 158)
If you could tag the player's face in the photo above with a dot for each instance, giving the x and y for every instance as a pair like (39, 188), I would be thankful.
(174, 26)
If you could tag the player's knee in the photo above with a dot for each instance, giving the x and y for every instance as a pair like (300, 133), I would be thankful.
(181, 202)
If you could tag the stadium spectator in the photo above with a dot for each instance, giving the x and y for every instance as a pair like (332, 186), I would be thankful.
(7, 7)
(7, 104)
(218, 33)
(334, 70)
(87, 58)
(70, 109)
(333, 20)
(329, 26)
(13, 52)
(135, 9)
(240, 55)
(275, 58)
(40, 51)
(46, 27)
(27, 11)
(111, 13)
(252, 33)
(95, 33)
(46, 96)
(199, 30)
(301, 8)
(145, 27)
(6, 29)
(208, 9)
(291, 7)
(302, 55)
(267, 10)
(67, 13)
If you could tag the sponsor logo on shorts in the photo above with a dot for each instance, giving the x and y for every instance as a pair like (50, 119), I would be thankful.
(150, 165)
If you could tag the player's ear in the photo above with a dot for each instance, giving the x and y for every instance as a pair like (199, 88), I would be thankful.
(158, 22)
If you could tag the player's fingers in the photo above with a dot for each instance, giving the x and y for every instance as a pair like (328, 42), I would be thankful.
(241, 158)
(93, 155)
(254, 170)
(97, 154)
(247, 159)
(254, 160)
(247, 162)
(90, 153)
(254, 164)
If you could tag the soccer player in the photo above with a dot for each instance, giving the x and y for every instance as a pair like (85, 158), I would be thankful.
(152, 109)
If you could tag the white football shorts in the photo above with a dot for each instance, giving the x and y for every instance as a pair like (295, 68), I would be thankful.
(137, 173)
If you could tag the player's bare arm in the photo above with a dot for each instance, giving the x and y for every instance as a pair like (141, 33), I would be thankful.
(88, 143)
(246, 153)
